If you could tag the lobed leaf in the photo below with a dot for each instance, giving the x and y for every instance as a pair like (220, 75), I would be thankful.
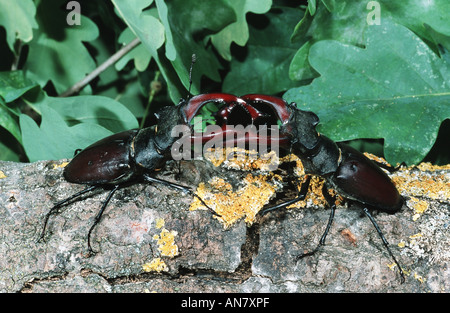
(57, 52)
(18, 19)
(54, 139)
(72, 123)
(396, 88)
(238, 31)
(265, 68)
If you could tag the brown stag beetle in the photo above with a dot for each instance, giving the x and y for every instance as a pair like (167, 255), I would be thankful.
(125, 158)
(346, 170)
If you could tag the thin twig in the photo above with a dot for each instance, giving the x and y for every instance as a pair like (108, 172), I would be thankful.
(152, 94)
(110, 61)
(17, 52)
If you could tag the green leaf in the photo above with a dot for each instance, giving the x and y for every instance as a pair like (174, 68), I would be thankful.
(8, 120)
(139, 54)
(13, 85)
(54, 139)
(71, 123)
(312, 5)
(8, 154)
(347, 20)
(238, 31)
(103, 111)
(396, 88)
(188, 23)
(145, 26)
(151, 32)
(18, 19)
(57, 52)
(266, 66)
(417, 15)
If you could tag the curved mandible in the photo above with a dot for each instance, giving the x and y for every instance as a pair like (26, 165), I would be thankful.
(281, 107)
(300, 125)
(190, 108)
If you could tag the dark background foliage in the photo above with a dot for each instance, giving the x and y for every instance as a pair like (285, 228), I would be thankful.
(375, 72)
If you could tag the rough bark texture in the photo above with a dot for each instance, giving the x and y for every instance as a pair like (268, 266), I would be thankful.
(259, 258)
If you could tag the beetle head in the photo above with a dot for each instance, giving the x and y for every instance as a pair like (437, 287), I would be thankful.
(301, 127)
(168, 118)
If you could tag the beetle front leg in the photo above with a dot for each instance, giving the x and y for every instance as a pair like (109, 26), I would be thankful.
(331, 200)
(98, 217)
(301, 196)
(182, 188)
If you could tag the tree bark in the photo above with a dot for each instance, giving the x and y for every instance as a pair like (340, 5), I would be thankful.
(142, 220)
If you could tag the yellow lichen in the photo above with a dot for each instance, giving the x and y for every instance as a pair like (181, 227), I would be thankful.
(423, 184)
(166, 243)
(392, 266)
(63, 164)
(243, 160)
(242, 203)
(419, 277)
(159, 223)
(245, 202)
(155, 265)
(419, 207)
(415, 236)
(2, 175)
(376, 158)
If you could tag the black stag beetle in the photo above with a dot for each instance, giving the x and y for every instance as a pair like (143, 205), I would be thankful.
(125, 158)
(346, 170)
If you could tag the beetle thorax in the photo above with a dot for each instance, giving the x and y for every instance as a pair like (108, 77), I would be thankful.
(145, 152)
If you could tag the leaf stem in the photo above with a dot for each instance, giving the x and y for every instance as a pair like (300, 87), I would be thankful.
(110, 61)
(154, 88)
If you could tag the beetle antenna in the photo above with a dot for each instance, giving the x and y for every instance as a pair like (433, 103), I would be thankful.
(193, 60)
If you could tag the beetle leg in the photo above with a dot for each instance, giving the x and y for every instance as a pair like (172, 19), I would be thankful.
(182, 188)
(54, 209)
(332, 203)
(391, 169)
(385, 242)
(301, 195)
(98, 216)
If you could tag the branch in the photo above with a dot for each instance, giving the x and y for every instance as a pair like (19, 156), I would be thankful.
(113, 59)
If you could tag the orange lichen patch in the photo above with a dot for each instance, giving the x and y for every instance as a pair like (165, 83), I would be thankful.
(347, 234)
(257, 190)
(233, 205)
(392, 267)
(430, 184)
(426, 166)
(2, 175)
(243, 160)
(376, 158)
(166, 243)
(155, 265)
(419, 207)
(315, 196)
(63, 164)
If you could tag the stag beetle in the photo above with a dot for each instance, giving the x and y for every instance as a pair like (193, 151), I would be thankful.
(126, 158)
(346, 170)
